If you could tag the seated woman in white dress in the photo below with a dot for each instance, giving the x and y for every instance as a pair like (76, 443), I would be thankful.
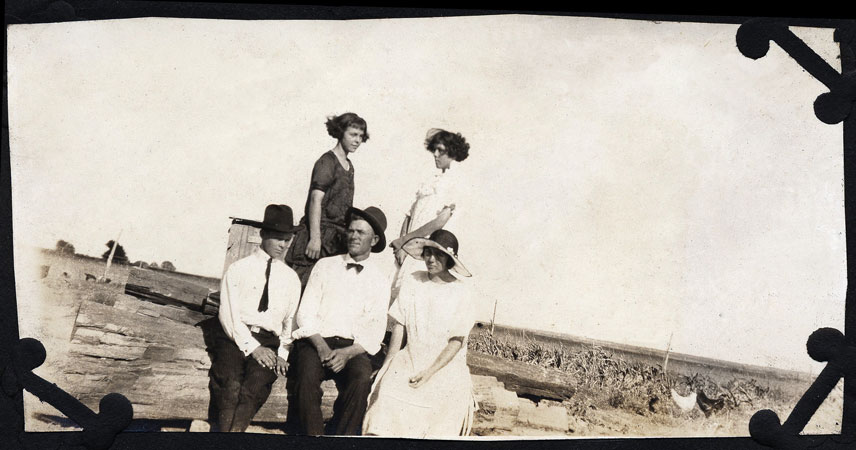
(425, 389)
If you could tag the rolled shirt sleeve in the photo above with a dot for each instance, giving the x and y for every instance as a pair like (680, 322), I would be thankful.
(229, 316)
(293, 297)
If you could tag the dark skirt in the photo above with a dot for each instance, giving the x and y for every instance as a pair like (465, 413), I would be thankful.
(332, 243)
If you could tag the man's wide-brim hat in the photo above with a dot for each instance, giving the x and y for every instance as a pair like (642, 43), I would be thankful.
(442, 240)
(278, 218)
(376, 218)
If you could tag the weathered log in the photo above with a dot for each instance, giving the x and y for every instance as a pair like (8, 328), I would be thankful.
(163, 288)
(522, 378)
(498, 408)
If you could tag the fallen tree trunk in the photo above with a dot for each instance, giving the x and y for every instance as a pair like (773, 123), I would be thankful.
(165, 289)
(524, 379)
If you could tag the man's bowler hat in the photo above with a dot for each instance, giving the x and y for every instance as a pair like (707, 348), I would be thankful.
(375, 217)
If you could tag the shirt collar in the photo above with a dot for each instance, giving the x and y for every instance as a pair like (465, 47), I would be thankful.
(347, 259)
(261, 254)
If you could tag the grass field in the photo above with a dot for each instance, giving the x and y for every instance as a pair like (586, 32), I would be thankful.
(616, 380)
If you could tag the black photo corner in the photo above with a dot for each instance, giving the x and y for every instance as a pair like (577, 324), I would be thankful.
(106, 428)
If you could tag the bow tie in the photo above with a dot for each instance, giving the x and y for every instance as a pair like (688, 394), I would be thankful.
(355, 266)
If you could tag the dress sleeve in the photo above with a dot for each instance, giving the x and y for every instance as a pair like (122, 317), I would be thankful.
(448, 190)
(396, 312)
(465, 314)
(323, 173)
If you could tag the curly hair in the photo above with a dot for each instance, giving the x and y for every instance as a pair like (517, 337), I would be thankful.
(337, 125)
(456, 146)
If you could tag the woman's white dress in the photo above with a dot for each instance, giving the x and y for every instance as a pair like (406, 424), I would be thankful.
(436, 193)
(432, 313)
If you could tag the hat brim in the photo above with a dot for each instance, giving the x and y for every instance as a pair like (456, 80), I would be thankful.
(376, 226)
(414, 248)
(261, 225)
(292, 230)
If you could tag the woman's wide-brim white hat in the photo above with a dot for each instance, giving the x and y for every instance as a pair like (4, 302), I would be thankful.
(414, 248)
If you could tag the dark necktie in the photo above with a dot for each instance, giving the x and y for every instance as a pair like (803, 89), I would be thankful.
(263, 302)
(355, 266)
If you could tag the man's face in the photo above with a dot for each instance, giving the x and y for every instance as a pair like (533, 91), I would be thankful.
(361, 238)
(275, 243)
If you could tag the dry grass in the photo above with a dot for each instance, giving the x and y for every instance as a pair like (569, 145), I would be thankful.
(605, 379)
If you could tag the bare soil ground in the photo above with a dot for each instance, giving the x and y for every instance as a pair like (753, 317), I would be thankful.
(50, 288)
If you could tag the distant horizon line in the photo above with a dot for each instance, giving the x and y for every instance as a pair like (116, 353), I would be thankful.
(651, 351)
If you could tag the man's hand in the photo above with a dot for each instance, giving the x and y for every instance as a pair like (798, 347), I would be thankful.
(324, 353)
(281, 366)
(265, 357)
(337, 359)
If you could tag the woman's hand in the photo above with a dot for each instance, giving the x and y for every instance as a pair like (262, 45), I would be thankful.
(313, 248)
(281, 366)
(420, 379)
(400, 254)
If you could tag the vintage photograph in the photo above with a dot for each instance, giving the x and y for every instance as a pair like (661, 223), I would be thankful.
(474, 227)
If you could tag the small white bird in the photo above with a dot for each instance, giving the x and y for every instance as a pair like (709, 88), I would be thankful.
(685, 403)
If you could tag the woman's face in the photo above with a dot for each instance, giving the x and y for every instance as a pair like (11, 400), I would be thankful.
(435, 261)
(351, 139)
(441, 157)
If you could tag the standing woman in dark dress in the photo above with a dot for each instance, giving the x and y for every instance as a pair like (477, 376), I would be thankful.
(331, 194)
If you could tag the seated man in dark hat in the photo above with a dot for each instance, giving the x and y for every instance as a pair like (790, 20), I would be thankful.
(341, 320)
(259, 295)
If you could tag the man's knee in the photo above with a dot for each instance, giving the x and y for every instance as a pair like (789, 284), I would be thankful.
(359, 372)
(306, 373)
(225, 392)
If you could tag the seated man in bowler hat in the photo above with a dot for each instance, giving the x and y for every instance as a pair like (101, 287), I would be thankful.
(259, 295)
(340, 322)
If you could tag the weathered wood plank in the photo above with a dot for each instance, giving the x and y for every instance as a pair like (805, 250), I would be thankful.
(151, 329)
(498, 408)
(523, 378)
(174, 313)
(161, 285)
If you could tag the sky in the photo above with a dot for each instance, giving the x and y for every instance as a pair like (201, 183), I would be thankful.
(628, 181)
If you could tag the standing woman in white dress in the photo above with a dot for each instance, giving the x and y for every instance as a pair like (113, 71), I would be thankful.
(425, 389)
(436, 198)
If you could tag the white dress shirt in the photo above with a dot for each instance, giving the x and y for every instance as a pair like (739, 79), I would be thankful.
(340, 302)
(240, 292)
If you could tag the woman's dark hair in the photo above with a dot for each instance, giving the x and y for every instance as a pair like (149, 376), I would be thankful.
(336, 125)
(455, 144)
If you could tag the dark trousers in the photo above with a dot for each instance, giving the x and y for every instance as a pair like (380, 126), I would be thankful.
(353, 382)
(239, 385)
